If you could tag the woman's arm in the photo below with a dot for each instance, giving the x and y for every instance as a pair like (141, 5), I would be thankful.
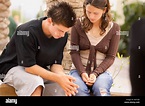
(75, 56)
(111, 53)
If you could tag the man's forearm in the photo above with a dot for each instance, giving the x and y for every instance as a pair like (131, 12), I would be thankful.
(57, 68)
(37, 70)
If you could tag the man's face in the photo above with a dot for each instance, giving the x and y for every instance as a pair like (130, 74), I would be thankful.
(58, 31)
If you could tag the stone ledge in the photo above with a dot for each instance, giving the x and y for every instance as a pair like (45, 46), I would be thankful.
(120, 94)
(6, 90)
(51, 89)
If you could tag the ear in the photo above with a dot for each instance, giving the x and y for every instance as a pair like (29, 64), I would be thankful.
(104, 10)
(49, 20)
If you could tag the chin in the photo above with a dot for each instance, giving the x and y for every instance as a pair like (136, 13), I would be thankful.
(57, 37)
(93, 22)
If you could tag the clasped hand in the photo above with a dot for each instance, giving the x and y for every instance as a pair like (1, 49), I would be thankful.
(68, 85)
(89, 80)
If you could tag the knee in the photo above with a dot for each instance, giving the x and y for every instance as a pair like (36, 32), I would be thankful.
(104, 79)
(37, 91)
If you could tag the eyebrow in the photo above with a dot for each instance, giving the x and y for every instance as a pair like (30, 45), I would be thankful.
(60, 30)
(91, 12)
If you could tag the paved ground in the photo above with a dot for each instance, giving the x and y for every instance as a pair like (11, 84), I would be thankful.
(120, 73)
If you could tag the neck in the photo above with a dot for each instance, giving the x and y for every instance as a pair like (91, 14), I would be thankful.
(97, 24)
(45, 28)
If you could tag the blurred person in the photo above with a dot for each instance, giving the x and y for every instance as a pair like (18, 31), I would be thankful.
(17, 19)
(94, 44)
(12, 26)
(137, 57)
(35, 52)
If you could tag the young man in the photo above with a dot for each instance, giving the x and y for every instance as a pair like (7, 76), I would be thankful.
(35, 53)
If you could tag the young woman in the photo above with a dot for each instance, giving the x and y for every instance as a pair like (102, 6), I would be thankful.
(34, 53)
(94, 44)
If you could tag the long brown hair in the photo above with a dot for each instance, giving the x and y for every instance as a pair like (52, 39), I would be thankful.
(106, 17)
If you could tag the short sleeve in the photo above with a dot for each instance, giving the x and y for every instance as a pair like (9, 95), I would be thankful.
(26, 48)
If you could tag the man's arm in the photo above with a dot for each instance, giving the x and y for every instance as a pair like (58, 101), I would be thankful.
(58, 76)
(38, 70)
(57, 68)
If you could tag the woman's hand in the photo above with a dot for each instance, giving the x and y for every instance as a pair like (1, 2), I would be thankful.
(91, 80)
(85, 77)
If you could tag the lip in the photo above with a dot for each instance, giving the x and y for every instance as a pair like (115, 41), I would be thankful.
(92, 20)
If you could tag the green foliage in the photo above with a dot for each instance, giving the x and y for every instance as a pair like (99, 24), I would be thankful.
(132, 12)
(16, 12)
(115, 15)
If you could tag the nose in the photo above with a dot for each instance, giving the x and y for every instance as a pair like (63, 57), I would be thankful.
(91, 16)
(62, 34)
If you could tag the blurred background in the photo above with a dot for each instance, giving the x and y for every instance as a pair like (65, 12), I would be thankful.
(124, 12)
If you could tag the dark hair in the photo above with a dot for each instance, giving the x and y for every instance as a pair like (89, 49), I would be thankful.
(106, 17)
(62, 13)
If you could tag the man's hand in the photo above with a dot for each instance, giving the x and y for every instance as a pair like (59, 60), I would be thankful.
(67, 83)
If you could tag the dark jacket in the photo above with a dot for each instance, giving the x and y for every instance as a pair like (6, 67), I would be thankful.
(137, 57)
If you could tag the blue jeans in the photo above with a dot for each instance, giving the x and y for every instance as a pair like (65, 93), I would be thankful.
(101, 87)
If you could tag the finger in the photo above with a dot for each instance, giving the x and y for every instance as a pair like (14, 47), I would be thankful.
(73, 93)
(67, 93)
(75, 86)
(90, 84)
(73, 89)
(71, 78)
(70, 90)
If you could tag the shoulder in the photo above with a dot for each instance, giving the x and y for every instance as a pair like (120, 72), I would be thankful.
(78, 25)
(116, 25)
(113, 28)
(137, 28)
(139, 23)
(32, 24)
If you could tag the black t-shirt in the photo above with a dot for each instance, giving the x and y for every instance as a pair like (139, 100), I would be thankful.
(30, 46)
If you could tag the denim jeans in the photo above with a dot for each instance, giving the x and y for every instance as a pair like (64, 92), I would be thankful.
(101, 87)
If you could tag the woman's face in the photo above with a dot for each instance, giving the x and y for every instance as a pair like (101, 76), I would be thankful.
(94, 14)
